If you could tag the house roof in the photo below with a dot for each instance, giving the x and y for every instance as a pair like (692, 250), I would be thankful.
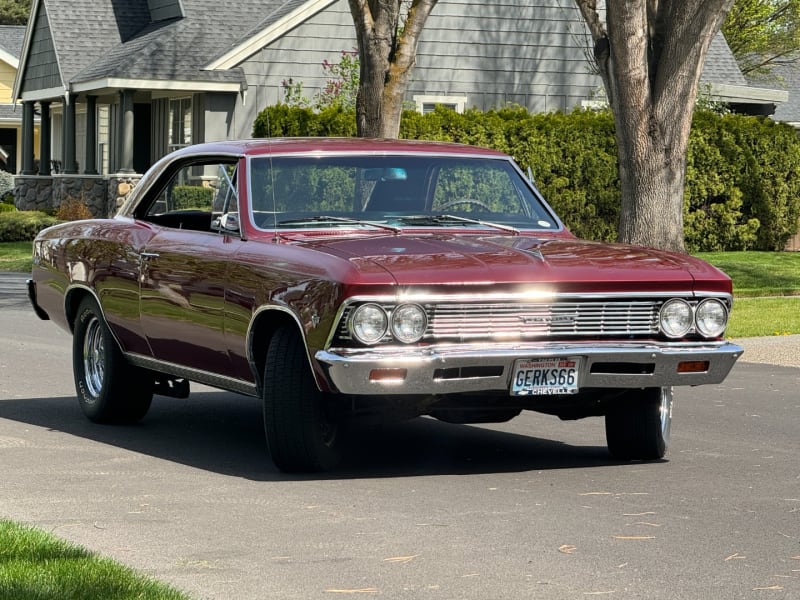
(112, 44)
(786, 77)
(11, 39)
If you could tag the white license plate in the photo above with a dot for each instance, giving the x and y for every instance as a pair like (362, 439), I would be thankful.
(545, 376)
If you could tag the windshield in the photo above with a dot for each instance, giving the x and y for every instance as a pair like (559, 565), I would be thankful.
(393, 191)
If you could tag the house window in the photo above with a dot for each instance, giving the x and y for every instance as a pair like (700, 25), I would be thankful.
(180, 123)
(426, 104)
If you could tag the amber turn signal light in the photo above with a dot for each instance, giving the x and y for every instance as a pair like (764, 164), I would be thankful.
(693, 366)
(388, 375)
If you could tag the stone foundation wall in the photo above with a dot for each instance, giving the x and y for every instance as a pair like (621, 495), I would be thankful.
(102, 195)
(32, 192)
(119, 188)
(89, 189)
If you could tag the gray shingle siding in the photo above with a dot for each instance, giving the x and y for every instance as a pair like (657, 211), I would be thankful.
(41, 71)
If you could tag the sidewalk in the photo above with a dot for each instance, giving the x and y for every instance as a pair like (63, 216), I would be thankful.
(781, 350)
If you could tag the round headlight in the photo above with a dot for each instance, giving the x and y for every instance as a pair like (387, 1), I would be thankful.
(711, 318)
(369, 323)
(675, 318)
(409, 322)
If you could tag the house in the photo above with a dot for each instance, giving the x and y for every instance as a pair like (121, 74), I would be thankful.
(11, 38)
(119, 83)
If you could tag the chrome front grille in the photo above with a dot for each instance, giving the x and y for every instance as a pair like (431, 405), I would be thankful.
(453, 322)
(522, 321)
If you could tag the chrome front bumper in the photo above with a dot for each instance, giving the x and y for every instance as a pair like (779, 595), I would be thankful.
(451, 369)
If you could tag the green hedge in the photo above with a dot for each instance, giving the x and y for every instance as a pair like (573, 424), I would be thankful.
(23, 225)
(742, 177)
(186, 197)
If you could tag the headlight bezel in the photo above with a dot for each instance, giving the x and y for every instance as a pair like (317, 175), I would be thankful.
(396, 324)
(703, 305)
(356, 323)
(683, 330)
(693, 320)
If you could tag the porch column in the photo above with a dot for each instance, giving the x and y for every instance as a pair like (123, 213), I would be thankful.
(45, 152)
(125, 137)
(70, 166)
(28, 167)
(91, 136)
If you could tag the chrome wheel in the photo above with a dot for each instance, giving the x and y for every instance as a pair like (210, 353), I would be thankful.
(665, 414)
(109, 389)
(94, 361)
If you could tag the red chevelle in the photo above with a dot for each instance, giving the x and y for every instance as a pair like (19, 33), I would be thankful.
(343, 278)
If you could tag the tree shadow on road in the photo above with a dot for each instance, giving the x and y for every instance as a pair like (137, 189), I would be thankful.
(222, 432)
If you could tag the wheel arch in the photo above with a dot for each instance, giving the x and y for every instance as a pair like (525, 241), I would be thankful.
(72, 301)
(266, 320)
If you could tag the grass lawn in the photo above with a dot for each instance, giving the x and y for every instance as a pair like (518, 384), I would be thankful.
(35, 565)
(15, 256)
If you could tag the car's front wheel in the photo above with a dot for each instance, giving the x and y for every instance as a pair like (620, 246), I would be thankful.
(301, 433)
(638, 424)
(110, 390)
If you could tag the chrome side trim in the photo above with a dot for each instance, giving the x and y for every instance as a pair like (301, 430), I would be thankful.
(212, 379)
(651, 364)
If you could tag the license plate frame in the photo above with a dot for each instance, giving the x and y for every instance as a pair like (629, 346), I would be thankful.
(546, 376)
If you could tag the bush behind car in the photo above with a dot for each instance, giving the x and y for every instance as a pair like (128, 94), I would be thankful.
(742, 177)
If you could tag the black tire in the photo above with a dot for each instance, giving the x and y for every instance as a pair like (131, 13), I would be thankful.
(638, 424)
(109, 389)
(301, 434)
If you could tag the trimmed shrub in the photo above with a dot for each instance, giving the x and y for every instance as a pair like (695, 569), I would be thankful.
(186, 197)
(23, 225)
(73, 209)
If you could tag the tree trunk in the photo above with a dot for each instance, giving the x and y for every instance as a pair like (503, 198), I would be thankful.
(386, 52)
(650, 54)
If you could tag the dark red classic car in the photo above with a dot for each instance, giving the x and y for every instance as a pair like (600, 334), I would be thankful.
(346, 278)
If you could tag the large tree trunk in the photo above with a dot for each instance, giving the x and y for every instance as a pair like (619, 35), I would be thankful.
(386, 53)
(650, 55)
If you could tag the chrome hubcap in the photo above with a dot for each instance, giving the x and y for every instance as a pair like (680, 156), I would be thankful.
(665, 413)
(94, 357)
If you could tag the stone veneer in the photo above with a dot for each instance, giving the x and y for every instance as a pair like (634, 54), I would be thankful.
(102, 194)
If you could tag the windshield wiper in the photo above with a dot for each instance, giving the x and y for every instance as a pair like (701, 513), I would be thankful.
(347, 220)
(439, 219)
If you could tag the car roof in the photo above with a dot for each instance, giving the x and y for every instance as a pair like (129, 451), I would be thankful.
(254, 147)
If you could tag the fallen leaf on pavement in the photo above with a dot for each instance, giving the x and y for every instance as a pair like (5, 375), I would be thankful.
(567, 548)
(401, 559)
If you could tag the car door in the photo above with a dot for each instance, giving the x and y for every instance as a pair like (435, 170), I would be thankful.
(185, 266)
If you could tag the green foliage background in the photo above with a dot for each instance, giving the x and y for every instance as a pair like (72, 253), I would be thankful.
(14, 12)
(742, 176)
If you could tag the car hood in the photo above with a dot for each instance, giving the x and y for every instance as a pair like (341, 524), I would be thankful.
(568, 265)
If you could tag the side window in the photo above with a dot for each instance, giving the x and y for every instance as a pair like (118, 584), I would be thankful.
(200, 197)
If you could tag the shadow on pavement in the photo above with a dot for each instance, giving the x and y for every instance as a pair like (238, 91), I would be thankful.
(222, 433)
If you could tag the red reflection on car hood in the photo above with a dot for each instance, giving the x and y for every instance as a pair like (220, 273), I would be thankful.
(569, 265)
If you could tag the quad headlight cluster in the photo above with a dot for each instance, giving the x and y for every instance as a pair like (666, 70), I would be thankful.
(677, 318)
(369, 323)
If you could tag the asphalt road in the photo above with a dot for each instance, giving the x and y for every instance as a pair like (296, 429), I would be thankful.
(533, 508)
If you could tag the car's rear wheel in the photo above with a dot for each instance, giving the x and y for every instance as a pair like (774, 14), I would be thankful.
(109, 389)
(638, 424)
(301, 433)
